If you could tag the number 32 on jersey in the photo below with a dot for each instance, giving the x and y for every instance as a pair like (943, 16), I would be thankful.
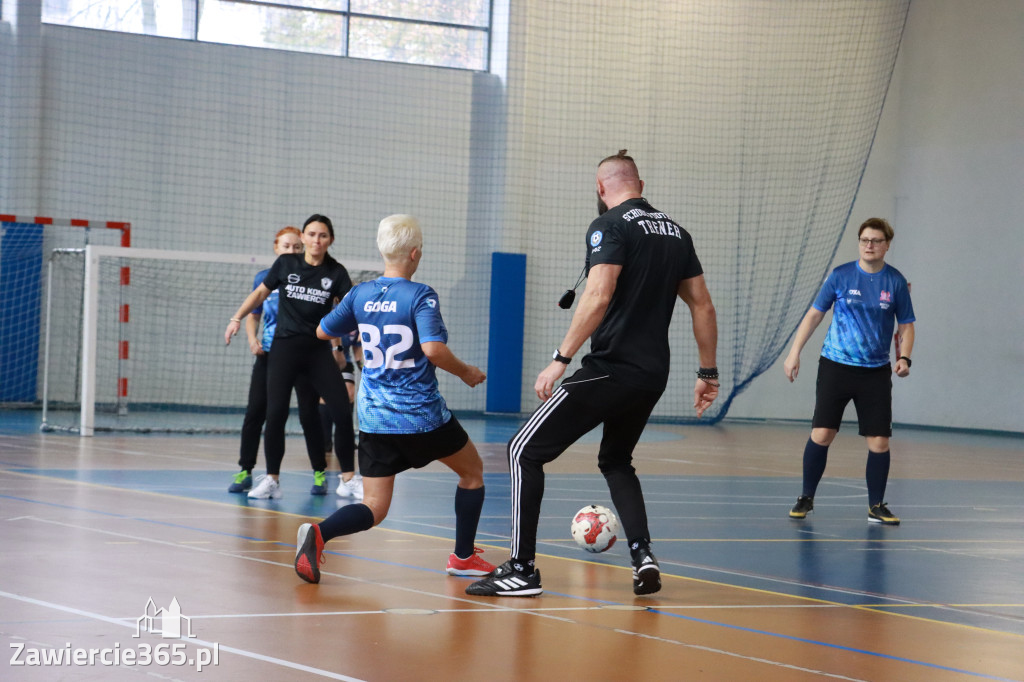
(375, 356)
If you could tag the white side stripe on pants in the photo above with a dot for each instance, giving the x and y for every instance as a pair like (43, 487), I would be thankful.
(519, 441)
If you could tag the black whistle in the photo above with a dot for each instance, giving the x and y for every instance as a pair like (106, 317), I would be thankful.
(565, 302)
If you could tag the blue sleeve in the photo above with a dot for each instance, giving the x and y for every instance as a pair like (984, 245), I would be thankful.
(341, 320)
(904, 307)
(429, 324)
(827, 296)
(256, 282)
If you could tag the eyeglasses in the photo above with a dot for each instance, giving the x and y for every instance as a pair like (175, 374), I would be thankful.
(873, 242)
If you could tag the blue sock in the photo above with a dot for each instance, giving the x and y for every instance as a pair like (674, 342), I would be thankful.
(352, 518)
(877, 474)
(815, 458)
(468, 504)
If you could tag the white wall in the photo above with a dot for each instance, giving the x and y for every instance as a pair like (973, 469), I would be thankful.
(947, 168)
(206, 147)
(213, 147)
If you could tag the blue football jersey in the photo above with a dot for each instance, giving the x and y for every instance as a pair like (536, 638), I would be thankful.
(398, 392)
(268, 309)
(866, 309)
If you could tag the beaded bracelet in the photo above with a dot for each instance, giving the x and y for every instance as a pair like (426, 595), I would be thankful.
(706, 373)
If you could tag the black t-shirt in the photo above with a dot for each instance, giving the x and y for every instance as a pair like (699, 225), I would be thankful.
(307, 292)
(655, 253)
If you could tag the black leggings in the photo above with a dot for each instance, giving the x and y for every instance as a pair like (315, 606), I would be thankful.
(292, 360)
(343, 447)
(580, 403)
(256, 415)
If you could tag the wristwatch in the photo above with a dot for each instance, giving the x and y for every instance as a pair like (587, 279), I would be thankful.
(560, 358)
(904, 357)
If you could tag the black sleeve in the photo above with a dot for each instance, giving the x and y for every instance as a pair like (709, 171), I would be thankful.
(275, 274)
(692, 267)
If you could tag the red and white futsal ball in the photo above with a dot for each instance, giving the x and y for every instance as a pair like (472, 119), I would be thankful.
(594, 528)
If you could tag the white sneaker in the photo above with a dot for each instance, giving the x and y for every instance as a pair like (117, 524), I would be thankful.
(266, 488)
(353, 487)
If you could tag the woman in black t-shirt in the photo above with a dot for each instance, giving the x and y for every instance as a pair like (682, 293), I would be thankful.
(310, 284)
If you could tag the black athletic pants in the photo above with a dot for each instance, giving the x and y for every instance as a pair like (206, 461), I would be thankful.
(579, 404)
(292, 360)
(256, 415)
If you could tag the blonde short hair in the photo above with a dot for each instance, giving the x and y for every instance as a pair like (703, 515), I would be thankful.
(397, 236)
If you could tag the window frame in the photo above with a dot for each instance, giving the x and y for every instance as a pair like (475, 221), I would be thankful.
(347, 14)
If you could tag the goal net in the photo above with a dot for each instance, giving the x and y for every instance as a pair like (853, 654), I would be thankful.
(135, 339)
(751, 122)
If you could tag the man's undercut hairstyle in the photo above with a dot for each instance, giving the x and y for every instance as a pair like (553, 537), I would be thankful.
(397, 236)
(621, 156)
(619, 170)
(880, 224)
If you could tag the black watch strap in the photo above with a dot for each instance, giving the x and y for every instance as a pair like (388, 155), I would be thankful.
(560, 358)
(904, 357)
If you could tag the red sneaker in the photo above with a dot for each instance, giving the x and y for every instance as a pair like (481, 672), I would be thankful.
(474, 565)
(309, 552)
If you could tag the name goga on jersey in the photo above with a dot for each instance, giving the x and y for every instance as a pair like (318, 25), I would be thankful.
(398, 392)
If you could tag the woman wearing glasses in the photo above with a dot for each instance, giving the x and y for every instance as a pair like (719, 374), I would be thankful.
(869, 298)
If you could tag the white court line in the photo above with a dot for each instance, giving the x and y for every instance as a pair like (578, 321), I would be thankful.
(699, 647)
(481, 607)
(191, 640)
(660, 607)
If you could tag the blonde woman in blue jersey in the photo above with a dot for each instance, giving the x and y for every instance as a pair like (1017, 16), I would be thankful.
(868, 298)
(404, 422)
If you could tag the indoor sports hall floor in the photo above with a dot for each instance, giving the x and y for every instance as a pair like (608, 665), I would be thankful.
(93, 528)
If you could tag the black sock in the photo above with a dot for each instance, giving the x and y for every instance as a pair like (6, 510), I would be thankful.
(468, 504)
(636, 545)
(815, 458)
(523, 565)
(877, 474)
(351, 518)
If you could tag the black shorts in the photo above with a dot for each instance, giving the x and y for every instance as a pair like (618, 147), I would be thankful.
(387, 454)
(870, 389)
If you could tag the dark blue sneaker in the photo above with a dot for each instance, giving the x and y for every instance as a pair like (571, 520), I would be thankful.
(319, 483)
(241, 483)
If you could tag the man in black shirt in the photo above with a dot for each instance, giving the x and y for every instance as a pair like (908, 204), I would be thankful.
(638, 261)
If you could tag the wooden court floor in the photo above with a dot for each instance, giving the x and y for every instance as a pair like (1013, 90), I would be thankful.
(112, 542)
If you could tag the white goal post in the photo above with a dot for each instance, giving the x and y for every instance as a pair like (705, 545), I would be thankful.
(169, 305)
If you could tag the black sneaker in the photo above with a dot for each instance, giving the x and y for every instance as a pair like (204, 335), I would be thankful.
(646, 572)
(881, 514)
(802, 508)
(507, 581)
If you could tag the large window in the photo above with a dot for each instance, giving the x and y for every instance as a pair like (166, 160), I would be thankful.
(453, 33)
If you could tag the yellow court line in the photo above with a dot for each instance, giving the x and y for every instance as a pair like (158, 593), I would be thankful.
(546, 556)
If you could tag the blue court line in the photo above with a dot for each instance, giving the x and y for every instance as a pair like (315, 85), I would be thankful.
(703, 621)
(839, 647)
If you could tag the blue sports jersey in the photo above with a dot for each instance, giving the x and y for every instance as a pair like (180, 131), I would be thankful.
(268, 309)
(398, 392)
(867, 306)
